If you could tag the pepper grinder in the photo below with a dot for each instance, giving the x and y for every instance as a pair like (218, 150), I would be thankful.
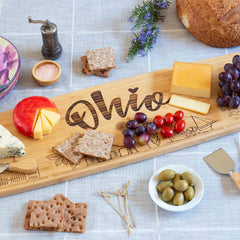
(51, 48)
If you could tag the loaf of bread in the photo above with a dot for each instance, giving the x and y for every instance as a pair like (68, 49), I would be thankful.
(214, 22)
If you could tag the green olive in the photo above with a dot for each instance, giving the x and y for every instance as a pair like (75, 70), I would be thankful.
(177, 177)
(162, 185)
(189, 177)
(180, 185)
(167, 194)
(178, 198)
(166, 175)
(189, 193)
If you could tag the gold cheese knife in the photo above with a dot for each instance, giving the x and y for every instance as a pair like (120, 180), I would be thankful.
(23, 166)
(221, 162)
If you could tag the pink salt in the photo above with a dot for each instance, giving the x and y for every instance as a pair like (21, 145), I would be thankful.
(46, 71)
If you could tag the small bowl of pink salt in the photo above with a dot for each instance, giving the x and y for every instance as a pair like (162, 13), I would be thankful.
(46, 72)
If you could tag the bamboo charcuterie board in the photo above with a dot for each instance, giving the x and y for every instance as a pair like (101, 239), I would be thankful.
(107, 108)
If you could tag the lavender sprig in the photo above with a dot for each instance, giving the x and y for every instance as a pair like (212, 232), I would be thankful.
(145, 17)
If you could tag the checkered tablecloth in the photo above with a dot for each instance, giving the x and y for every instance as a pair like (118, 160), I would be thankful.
(91, 24)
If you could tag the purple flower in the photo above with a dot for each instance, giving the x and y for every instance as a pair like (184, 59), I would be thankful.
(7, 62)
(147, 16)
(130, 20)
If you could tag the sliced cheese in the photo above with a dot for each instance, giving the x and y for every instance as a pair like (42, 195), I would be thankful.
(38, 131)
(46, 127)
(52, 117)
(192, 79)
(189, 104)
(10, 145)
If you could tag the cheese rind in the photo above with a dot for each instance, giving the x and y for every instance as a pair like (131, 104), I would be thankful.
(189, 104)
(10, 145)
(192, 79)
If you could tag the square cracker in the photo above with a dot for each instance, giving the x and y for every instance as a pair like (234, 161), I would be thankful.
(86, 70)
(75, 214)
(28, 215)
(66, 149)
(101, 59)
(47, 215)
(95, 144)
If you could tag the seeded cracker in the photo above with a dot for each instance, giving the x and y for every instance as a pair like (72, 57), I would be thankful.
(95, 144)
(101, 59)
(47, 215)
(74, 216)
(66, 148)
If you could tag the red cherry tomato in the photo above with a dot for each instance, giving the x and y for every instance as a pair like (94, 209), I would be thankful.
(179, 126)
(158, 121)
(169, 119)
(178, 115)
(167, 132)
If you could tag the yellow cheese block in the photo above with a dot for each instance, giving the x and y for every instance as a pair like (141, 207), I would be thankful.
(192, 79)
(46, 127)
(52, 117)
(37, 131)
(189, 104)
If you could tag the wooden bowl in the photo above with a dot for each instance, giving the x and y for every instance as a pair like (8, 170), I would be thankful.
(48, 81)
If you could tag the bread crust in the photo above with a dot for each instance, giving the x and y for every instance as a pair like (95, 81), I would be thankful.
(214, 22)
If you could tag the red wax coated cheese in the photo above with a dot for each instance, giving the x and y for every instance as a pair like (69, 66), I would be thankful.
(26, 111)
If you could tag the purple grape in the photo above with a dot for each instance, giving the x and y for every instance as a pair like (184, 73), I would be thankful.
(221, 76)
(129, 142)
(144, 139)
(132, 124)
(222, 101)
(226, 90)
(221, 84)
(234, 72)
(227, 66)
(151, 128)
(238, 66)
(227, 77)
(128, 132)
(140, 117)
(236, 59)
(235, 86)
(140, 130)
(234, 102)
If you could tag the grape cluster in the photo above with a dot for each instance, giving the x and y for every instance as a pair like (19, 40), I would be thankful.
(141, 130)
(230, 84)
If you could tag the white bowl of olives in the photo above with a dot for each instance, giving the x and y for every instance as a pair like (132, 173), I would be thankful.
(176, 188)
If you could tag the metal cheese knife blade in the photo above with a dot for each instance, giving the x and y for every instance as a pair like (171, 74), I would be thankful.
(24, 166)
(221, 162)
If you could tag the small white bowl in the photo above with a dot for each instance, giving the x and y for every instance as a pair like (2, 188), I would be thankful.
(199, 189)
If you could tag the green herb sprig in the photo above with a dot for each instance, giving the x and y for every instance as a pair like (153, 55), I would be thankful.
(145, 17)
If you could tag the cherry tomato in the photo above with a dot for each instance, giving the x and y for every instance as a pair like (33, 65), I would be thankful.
(167, 132)
(179, 125)
(158, 121)
(169, 119)
(178, 115)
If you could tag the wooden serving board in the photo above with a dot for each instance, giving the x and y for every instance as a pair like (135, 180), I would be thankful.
(107, 108)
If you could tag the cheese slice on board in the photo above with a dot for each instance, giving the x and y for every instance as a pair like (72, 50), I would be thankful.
(189, 104)
(192, 79)
(46, 127)
(10, 145)
(52, 117)
(38, 131)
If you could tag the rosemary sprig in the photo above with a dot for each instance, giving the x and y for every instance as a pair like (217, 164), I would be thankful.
(145, 17)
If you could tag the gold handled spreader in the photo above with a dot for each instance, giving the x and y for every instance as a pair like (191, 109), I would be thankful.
(23, 166)
(221, 162)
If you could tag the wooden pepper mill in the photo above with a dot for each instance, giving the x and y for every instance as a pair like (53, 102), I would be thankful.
(51, 48)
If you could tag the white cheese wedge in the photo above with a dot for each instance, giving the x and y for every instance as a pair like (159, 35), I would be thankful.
(189, 104)
(10, 145)
(51, 116)
(38, 131)
(46, 127)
